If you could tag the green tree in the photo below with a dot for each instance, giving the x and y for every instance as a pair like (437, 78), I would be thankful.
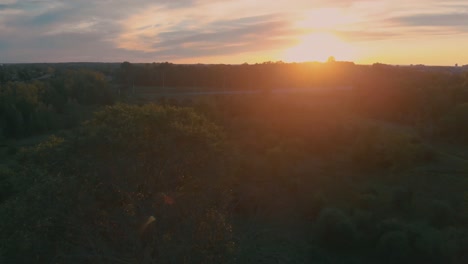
(127, 166)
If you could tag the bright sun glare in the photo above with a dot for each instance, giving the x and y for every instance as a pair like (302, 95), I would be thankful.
(322, 44)
(319, 47)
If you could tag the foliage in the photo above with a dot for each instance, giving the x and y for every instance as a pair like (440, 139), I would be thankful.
(335, 230)
(455, 124)
(441, 213)
(6, 185)
(394, 247)
(35, 107)
(244, 174)
(385, 148)
(125, 165)
(419, 243)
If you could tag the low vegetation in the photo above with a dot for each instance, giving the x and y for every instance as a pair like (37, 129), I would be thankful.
(368, 175)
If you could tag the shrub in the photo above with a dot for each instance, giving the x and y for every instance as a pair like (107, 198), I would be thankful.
(441, 213)
(367, 201)
(455, 124)
(428, 245)
(392, 224)
(419, 243)
(335, 230)
(454, 245)
(402, 199)
(364, 222)
(394, 247)
(431, 245)
(6, 186)
(385, 148)
(315, 205)
(12, 150)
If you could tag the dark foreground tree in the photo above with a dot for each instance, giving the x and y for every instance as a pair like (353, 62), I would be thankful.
(134, 185)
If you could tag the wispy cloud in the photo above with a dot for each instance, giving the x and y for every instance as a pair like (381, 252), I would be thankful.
(111, 30)
(456, 19)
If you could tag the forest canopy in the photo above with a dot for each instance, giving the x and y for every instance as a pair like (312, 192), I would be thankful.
(294, 163)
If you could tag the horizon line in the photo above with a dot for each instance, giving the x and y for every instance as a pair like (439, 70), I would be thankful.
(220, 63)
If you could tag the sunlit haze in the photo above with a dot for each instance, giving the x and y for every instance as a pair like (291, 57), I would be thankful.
(235, 31)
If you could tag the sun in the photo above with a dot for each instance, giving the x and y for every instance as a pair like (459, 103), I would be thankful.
(322, 43)
(319, 46)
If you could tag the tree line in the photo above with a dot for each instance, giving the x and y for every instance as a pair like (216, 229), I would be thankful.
(37, 106)
(268, 75)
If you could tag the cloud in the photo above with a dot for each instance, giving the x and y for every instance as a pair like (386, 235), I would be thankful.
(146, 28)
(223, 32)
(191, 33)
(435, 20)
(3, 45)
(110, 30)
(67, 47)
(356, 36)
(250, 37)
(4, 6)
(47, 18)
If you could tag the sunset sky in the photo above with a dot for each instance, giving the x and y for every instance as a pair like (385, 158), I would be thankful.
(431, 32)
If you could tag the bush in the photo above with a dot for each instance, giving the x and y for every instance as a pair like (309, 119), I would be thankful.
(441, 213)
(392, 224)
(12, 150)
(386, 148)
(364, 222)
(402, 199)
(315, 205)
(335, 230)
(455, 124)
(35, 223)
(6, 185)
(419, 243)
(431, 245)
(394, 247)
(454, 245)
(367, 201)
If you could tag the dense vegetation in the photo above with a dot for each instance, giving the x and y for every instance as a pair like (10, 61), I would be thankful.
(372, 174)
(58, 101)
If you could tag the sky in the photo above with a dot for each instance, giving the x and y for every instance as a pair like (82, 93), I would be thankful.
(431, 32)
